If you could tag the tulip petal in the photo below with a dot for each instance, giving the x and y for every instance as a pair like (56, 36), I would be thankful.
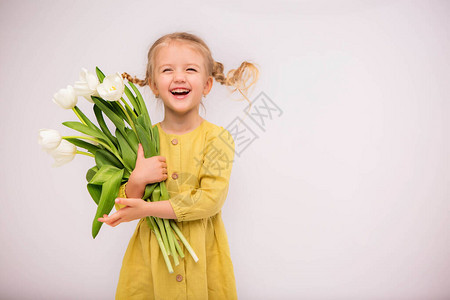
(49, 139)
(64, 153)
(66, 98)
(87, 85)
(111, 88)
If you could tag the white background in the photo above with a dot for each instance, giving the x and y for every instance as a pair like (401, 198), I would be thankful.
(343, 196)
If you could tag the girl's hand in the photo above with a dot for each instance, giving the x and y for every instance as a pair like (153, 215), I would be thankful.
(148, 170)
(135, 209)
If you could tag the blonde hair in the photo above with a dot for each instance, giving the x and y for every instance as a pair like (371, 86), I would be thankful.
(238, 78)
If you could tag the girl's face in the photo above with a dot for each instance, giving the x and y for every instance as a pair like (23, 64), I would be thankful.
(178, 68)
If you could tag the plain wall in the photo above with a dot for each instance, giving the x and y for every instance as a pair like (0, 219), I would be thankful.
(343, 194)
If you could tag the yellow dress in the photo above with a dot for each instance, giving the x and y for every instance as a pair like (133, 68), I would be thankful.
(199, 166)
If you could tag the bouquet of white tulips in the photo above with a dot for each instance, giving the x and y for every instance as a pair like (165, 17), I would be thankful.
(115, 152)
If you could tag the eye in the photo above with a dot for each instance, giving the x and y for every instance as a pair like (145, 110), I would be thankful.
(192, 69)
(166, 70)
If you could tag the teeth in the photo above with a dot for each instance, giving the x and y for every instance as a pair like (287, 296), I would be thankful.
(180, 90)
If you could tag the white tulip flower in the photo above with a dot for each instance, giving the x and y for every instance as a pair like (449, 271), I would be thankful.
(112, 87)
(64, 153)
(87, 85)
(49, 139)
(66, 98)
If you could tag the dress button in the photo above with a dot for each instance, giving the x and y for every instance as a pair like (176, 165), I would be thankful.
(174, 175)
(174, 141)
(179, 278)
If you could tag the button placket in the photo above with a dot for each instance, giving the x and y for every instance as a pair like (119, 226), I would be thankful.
(175, 148)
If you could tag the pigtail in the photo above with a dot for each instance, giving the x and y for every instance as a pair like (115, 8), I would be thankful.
(241, 78)
(134, 79)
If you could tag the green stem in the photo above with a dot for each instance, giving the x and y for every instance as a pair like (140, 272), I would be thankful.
(160, 242)
(79, 117)
(100, 142)
(128, 116)
(183, 239)
(164, 235)
(177, 245)
(129, 107)
(171, 238)
(87, 138)
(85, 153)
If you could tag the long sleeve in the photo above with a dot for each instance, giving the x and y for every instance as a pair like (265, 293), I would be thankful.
(207, 199)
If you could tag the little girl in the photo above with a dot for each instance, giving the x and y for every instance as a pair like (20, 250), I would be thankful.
(196, 159)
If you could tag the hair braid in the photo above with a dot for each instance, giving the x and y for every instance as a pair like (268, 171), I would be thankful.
(133, 79)
(237, 78)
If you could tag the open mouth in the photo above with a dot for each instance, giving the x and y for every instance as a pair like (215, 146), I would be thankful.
(180, 92)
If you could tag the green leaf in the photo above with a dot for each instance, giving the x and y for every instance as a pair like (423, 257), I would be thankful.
(133, 100)
(80, 143)
(144, 111)
(118, 122)
(132, 139)
(141, 121)
(126, 175)
(156, 138)
(95, 191)
(100, 74)
(149, 147)
(128, 155)
(103, 174)
(156, 195)
(91, 172)
(103, 126)
(164, 192)
(86, 119)
(110, 190)
(115, 106)
(131, 114)
(89, 131)
(149, 190)
(104, 157)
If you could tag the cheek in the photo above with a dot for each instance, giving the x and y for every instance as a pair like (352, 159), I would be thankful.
(199, 81)
(162, 82)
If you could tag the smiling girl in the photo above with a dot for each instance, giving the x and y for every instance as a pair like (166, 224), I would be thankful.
(196, 162)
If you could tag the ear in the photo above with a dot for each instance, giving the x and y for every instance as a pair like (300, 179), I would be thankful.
(208, 85)
(152, 87)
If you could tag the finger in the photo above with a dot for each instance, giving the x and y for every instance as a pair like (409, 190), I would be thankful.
(104, 218)
(115, 223)
(161, 158)
(112, 218)
(108, 223)
(124, 201)
(140, 153)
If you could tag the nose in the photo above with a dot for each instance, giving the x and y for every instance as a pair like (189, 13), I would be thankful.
(178, 77)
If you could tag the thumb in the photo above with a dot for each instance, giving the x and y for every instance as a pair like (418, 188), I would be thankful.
(140, 153)
(123, 201)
